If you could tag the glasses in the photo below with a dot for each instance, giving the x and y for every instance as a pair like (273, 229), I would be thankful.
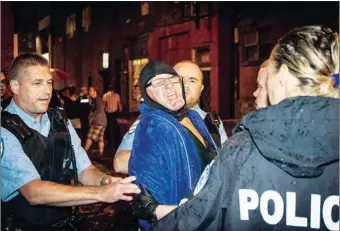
(4, 81)
(162, 81)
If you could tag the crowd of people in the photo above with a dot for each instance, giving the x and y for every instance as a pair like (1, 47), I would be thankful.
(278, 171)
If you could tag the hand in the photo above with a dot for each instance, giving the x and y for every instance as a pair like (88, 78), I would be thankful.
(144, 205)
(117, 190)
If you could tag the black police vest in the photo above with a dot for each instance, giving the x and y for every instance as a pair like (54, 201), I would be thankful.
(212, 121)
(52, 158)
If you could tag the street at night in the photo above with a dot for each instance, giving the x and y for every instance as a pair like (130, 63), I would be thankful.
(169, 115)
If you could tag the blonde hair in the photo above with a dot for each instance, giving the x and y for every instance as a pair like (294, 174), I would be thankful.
(311, 54)
(264, 64)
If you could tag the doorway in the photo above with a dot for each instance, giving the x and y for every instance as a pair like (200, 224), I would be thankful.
(205, 96)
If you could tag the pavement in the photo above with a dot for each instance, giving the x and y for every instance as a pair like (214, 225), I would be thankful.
(102, 216)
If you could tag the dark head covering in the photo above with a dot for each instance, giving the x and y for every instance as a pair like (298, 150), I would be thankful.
(150, 70)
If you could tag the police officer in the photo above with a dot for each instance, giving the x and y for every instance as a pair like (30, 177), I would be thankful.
(280, 169)
(42, 153)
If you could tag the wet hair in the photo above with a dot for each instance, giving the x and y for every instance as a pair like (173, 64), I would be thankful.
(264, 64)
(311, 54)
(24, 61)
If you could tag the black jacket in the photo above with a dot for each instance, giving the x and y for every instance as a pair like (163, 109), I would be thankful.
(282, 163)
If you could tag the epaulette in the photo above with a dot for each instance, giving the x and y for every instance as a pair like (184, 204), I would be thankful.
(16, 126)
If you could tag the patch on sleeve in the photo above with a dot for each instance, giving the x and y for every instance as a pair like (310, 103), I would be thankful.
(134, 126)
(203, 179)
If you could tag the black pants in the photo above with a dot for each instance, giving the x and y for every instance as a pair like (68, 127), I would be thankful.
(84, 120)
(113, 131)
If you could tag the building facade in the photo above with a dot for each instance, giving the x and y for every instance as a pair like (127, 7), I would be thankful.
(7, 35)
(108, 43)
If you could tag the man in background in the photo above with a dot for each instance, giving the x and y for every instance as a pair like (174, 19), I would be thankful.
(4, 102)
(98, 122)
(84, 113)
(112, 105)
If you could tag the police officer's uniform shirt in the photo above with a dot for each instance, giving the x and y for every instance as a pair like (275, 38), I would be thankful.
(16, 167)
(127, 141)
(221, 130)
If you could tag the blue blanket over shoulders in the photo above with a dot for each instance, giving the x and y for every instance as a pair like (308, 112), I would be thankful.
(164, 157)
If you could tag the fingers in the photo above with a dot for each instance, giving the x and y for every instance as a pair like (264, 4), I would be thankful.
(120, 190)
(128, 179)
(125, 198)
(129, 188)
(115, 179)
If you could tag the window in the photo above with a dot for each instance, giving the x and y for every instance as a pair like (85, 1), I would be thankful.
(189, 9)
(265, 45)
(135, 67)
(250, 41)
(257, 45)
(86, 18)
(202, 56)
(105, 60)
(71, 25)
(30, 40)
(144, 8)
(46, 56)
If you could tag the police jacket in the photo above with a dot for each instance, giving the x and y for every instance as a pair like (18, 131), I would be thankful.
(52, 158)
(279, 171)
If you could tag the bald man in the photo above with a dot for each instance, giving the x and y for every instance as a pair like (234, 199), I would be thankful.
(193, 83)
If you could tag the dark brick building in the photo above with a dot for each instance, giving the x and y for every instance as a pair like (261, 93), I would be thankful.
(259, 27)
(228, 40)
(7, 34)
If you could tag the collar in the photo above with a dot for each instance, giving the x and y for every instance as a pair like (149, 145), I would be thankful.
(29, 120)
(199, 111)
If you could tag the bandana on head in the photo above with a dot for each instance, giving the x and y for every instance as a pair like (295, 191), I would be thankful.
(149, 71)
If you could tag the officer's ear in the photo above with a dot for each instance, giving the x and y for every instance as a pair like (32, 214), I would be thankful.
(14, 86)
(202, 88)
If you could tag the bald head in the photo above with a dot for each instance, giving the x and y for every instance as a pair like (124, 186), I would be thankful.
(193, 81)
(188, 68)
